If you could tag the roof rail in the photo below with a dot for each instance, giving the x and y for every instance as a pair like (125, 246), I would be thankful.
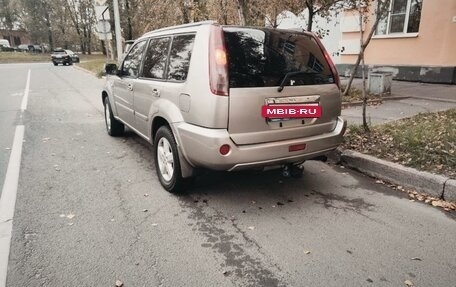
(181, 26)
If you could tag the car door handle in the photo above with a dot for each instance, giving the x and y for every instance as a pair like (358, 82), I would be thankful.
(130, 87)
(156, 93)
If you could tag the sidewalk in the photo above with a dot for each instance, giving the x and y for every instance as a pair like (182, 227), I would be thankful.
(422, 98)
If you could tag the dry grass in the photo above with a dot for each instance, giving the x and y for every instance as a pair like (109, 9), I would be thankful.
(355, 95)
(94, 63)
(425, 142)
(20, 57)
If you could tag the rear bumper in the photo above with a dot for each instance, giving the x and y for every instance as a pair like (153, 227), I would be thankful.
(200, 147)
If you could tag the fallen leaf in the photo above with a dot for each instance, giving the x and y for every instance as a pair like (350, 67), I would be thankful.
(146, 194)
(306, 252)
(154, 224)
(251, 227)
(437, 203)
(70, 224)
(427, 201)
(225, 272)
(119, 283)
(416, 258)
(145, 210)
(70, 216)
(408, 283)
(379, 181)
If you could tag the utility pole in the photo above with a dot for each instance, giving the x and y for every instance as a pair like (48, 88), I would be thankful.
(117, 29)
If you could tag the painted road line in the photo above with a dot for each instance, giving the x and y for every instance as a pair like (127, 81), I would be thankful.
(26, 93)
(8, 201)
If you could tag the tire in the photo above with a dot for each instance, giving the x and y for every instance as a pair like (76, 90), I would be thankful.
(113, 126)
(167, 164)
(55, 64)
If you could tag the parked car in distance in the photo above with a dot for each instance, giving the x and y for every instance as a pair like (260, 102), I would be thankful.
(198, 92)
(5, 46)
(35, 49)
(22, 48)
(59, 56)
(74, 57)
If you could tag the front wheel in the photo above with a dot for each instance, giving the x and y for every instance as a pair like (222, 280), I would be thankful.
(113, 126)
(167, 162)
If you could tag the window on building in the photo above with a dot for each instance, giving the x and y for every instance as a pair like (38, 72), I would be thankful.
(403, 17)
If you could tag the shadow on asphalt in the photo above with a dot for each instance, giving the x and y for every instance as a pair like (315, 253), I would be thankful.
(336, 188)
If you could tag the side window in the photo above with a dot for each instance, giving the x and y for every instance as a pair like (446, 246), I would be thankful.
(132, 62)
(156, 57)
(179, 58)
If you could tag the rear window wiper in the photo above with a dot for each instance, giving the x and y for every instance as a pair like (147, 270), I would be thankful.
(291, 74)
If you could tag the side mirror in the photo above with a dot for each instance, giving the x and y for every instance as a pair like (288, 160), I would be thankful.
(110, 69)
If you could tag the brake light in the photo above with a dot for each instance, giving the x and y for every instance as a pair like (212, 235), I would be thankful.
(329, 61)
(218, 62)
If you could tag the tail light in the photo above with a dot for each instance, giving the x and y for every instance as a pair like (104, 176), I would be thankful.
(218, 62)
(329, 61)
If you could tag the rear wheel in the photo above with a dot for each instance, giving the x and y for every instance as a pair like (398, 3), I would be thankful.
(55, 64)
(113, 126)
(167, 162)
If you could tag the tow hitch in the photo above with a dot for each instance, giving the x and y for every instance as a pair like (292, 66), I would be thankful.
(293, 170)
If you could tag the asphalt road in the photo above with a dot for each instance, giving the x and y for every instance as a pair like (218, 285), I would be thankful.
(90, 210)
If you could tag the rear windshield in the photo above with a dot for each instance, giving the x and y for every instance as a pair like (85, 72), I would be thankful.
(263, 57)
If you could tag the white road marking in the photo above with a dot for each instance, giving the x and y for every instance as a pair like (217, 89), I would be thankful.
(9, 191)
(26, 93)
(8, 201)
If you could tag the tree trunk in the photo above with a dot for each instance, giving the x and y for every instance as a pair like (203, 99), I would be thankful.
(361, 53)
(129, 26)
(379, 11)
(241, 11)
(310, 14)
(49, 30)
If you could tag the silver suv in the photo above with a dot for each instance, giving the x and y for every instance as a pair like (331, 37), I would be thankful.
(225, 98)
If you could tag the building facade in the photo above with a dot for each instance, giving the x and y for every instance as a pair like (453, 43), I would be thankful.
(415, 40)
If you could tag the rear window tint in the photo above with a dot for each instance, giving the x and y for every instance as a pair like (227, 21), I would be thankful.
(262, 58)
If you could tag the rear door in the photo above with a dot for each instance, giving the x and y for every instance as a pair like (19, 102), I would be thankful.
(259, 61)
(149, 86)
(124, 85)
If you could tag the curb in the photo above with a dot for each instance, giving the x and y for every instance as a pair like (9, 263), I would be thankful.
(432, 184)
(434, 99)
(375, 101)
(87, 71)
